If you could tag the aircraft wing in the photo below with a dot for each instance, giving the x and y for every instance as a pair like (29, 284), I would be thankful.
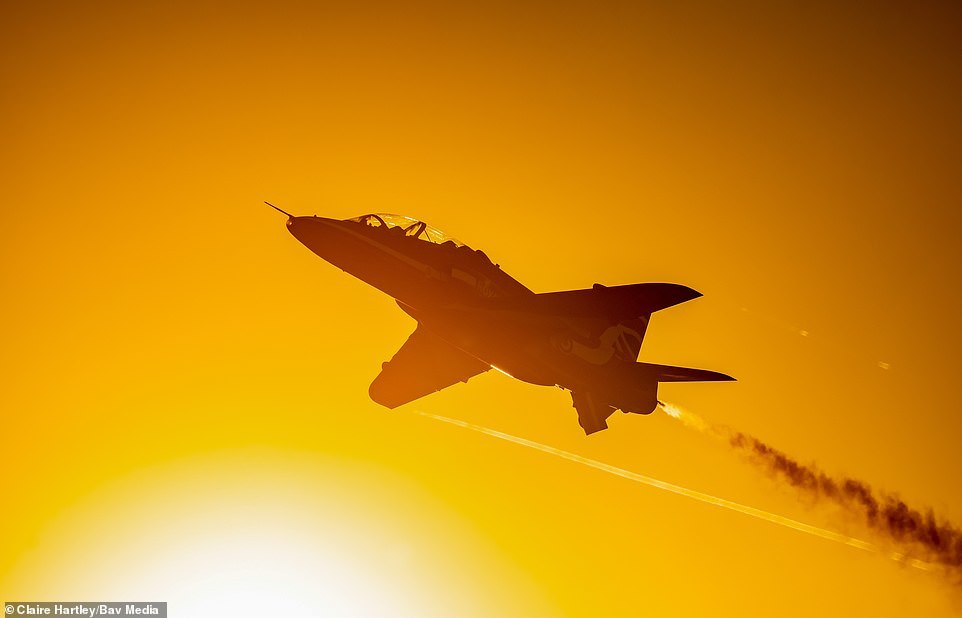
(425, 364)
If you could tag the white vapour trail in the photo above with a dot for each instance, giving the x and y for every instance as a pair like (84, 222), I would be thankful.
(682, 491)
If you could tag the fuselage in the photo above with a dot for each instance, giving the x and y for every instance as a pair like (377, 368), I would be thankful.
(418, 273)
(444, 285)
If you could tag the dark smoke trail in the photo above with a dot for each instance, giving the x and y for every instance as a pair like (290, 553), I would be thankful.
(886, 514)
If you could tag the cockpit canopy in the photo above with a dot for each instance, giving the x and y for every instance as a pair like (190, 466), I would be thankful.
(411, 227)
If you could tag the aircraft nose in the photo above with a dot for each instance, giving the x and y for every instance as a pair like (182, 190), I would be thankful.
(315, 232)
(293, 226)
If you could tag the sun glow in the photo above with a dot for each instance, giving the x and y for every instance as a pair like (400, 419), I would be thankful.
(250, 534)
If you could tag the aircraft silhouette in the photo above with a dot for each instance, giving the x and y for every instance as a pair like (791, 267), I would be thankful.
(472, 317)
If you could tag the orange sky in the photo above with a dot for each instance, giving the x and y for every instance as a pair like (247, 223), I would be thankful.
(186, 386)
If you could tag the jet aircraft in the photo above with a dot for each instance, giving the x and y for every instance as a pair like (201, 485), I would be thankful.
(472, 316)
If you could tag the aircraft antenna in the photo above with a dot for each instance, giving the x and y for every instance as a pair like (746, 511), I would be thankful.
(279, 210)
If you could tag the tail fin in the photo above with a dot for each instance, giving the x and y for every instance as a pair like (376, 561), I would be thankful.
(647, 298)
(667, 373)
(630, 334)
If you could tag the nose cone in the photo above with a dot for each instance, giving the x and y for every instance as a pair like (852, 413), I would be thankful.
(297, 226)
(314, 232)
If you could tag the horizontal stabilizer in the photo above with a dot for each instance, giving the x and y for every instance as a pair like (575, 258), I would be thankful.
(616, 303)
(667, 373)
